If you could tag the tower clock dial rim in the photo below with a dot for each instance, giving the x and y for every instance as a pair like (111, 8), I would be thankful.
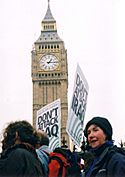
(49, 62)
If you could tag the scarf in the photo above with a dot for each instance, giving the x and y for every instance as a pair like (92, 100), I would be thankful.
(97, 152)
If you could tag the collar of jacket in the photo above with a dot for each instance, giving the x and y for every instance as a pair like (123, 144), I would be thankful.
(98, 151)
(26, 146)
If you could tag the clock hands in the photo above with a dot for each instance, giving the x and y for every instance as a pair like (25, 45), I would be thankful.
(53, 62)
(50, 61)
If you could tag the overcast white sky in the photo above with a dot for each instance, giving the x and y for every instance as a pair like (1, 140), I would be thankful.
(94, 36)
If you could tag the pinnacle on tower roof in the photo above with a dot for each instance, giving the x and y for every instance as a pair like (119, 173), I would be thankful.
(48, 17)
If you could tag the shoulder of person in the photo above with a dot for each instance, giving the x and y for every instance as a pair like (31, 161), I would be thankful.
(42, 154)
(116, 154)
(21, 151)
(115, 162)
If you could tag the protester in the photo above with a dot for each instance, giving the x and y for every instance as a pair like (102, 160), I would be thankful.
(43, 150)
(107, 162)
(19, 158)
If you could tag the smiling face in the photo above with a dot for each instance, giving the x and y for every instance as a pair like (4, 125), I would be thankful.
(96, 136)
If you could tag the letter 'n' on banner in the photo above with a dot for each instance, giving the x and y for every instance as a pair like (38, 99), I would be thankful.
(77, 108)
(49, 120)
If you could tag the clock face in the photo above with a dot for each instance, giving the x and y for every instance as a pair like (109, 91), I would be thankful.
(49, 62)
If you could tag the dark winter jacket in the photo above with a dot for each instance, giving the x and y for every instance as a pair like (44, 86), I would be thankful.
(20, 161)
(107, 163)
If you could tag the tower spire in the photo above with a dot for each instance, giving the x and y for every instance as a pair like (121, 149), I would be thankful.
(48, 3)
(48, 16)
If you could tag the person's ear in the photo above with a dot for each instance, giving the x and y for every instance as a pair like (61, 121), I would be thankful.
(17, 138)
(16, 135)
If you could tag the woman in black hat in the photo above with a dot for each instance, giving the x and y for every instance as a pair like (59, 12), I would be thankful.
(107, 162)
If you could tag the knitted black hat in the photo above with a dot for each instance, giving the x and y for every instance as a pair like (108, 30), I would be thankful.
(103, 123)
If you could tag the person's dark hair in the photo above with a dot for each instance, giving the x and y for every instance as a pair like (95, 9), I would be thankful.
(42, 138)
(25, 131)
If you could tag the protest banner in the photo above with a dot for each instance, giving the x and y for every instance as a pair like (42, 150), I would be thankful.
(78, 107)
(49, 120)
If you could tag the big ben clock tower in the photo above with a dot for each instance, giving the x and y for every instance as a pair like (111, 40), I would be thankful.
(50, 70)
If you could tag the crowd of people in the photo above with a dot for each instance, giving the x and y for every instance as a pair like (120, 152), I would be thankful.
(26, 152)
